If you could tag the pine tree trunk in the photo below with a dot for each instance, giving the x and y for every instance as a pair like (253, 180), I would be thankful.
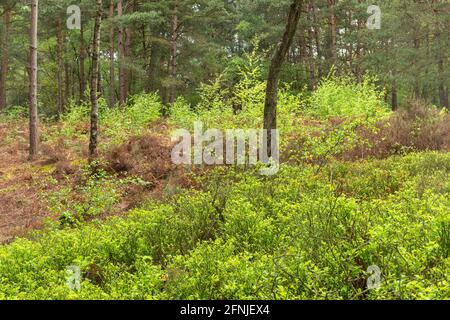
(173, 55)
(4, 66)
(128, 55)
(359, 47)
(112, 76)
(312, 69)
(122, 69)
(333, 31)
(59, 58)
(94, 81)
(128, 50)
(317, 38)
(82, 69)
(270, 107)
(34, 134)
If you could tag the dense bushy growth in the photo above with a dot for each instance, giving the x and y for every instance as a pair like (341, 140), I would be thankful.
(342, 97)
(310, 232)
(301, 235)
(116, 124)
(237, 106)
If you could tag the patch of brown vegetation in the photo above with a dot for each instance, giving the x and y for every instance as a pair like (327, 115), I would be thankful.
(148, 157)
(418, 127)
(21, 208)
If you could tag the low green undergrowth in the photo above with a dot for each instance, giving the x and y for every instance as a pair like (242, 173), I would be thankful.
(94, 193)
(116, 124)
(302, 234)
(310, 232)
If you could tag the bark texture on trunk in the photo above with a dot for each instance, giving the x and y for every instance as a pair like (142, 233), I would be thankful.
(333, 31)
(173, 54)
(94, 81)
(128, 55)
(59, 58)
(4, 66)
(34, 134)
(316, 38)
(112, 76)
(82, 69)
(310, 46)
(122, 69)
(270, 107)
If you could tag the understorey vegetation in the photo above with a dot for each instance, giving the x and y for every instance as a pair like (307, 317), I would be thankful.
(224, 150)
(358, 186)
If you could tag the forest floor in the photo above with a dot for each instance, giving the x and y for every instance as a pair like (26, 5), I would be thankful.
(140, 227)
(24, 183)
(21, 208)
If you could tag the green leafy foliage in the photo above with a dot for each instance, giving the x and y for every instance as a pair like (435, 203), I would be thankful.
(309, 232)
(116, 124)
(301, 236)
(341, 96)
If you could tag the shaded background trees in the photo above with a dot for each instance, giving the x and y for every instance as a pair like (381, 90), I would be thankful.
(173, 46)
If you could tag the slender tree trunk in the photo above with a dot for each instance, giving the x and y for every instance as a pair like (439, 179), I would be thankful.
(128, 50)
(333, 31)
(303, 57)
(59, 58)
(312, 71)
(359, 47)
(173, 54)
(317, 38)
(270, 107)
(82, 69)
(112, 76)
(34, 134)
(4, 66)
(147, 59)
(348, 30)
(128, 54)
(122, 69)
(94, 81)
